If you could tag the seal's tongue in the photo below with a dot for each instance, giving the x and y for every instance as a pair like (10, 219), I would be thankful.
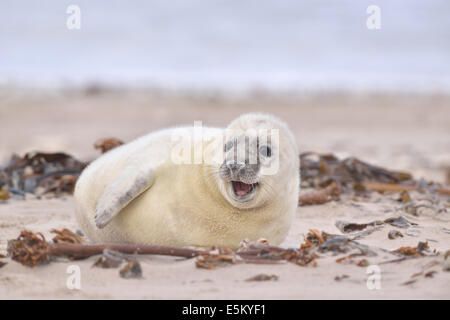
(241, 188)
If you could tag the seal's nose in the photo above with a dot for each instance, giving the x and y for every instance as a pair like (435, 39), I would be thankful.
(235, 167)
(231, 169)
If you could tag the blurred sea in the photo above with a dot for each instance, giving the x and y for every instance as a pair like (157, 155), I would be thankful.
(227, 44)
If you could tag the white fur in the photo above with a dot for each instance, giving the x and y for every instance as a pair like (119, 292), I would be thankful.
(188, 204)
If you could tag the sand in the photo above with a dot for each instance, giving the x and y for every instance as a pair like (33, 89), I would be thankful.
(408, 132)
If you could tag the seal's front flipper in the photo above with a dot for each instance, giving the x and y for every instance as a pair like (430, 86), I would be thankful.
(126, 187)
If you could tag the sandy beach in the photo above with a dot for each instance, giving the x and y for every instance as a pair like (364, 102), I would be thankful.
(407, 132)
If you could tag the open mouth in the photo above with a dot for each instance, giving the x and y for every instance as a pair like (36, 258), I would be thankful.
(242, 189)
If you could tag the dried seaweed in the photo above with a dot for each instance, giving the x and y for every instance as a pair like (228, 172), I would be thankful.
(217, 257)
(131, 270)
(107, 144)
(316, 238)
(66, 236)
(400, 222)
(414, 252)
(319, 170)
(342, 244)
(305, 257)
(346, 227)
(321, 196)
(259, 252)
(353, 175)
(259, 249)
(339, 243)
(41, 173)
(315, 234)
(30, 249)
(45, 173)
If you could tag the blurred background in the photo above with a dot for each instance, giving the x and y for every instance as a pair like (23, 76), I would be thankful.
(138, 66)
(228, 45)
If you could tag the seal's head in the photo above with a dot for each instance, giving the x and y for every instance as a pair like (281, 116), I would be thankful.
(260, 156)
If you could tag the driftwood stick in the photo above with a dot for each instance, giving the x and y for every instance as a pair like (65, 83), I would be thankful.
(87, 250)
(31, 249)
(79, 251)
(320, 196)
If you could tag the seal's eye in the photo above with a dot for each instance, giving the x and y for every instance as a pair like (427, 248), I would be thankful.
(228, 146)
(265, 151)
